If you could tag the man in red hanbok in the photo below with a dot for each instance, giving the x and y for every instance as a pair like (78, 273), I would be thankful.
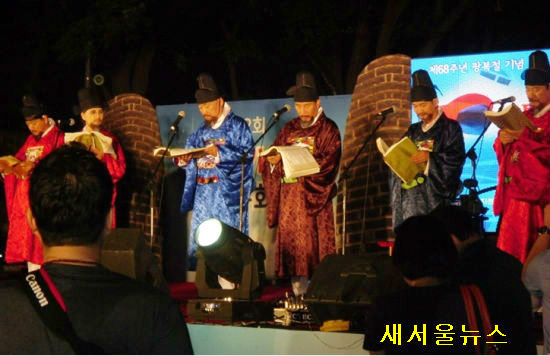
(302, 207)
(103, 144)
(22, 245)
(523, 191)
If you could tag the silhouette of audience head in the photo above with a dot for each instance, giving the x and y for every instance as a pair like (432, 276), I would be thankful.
(70, 196)
(423, 248)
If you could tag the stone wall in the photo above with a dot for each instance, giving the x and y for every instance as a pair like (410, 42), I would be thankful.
(384, 82)
(132, 119)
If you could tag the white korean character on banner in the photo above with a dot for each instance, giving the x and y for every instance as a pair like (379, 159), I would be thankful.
(258, 125)
(519, 63)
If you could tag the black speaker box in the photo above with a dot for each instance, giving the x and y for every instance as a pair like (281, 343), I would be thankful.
(343, 286)
(174, 228)
(124, 251)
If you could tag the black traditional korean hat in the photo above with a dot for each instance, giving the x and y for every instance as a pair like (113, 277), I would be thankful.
(305, 88)
(89, 98)
(32, 108)
(422, 87)
(539, 70)
(207, 91)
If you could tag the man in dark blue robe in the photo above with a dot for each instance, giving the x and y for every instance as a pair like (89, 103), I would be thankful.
(441, 146)
(212, 182)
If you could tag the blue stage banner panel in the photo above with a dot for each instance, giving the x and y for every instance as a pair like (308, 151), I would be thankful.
(466, 86)
(257, 114)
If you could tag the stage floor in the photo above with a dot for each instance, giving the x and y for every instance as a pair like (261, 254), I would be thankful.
(215, 339)
(210, 339)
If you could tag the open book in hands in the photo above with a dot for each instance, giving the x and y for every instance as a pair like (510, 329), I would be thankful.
(297, 160)
(176, 152)
(93, 139)
(398, 158)
(10, 165)
(510, 118)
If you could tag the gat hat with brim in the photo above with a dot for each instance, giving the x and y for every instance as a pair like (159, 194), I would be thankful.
(539, 70)
(305, 88)
(207, 91)
(89, 98)
(422, 87)
(32, 108)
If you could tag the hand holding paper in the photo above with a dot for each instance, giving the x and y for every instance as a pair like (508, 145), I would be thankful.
(420, 157)
(274, 159)
(297, 160)
(508, 136)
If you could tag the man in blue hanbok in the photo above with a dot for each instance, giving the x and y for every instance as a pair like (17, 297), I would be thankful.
(212, 182)
(440, 145)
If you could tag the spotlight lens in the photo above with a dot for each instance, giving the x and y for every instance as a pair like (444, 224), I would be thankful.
(208, 232)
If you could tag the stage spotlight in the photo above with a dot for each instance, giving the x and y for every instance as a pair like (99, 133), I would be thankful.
(208, 232)
(227, 252)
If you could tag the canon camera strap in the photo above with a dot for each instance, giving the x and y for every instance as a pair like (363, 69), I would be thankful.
(49, 304)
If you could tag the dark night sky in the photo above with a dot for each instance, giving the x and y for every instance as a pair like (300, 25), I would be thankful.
(263, 43)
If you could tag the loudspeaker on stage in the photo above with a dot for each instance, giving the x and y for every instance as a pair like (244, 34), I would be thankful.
(344, 286)
(124, 251)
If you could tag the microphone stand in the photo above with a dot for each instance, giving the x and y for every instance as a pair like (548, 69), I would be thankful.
(472, 201)
(471, 152)
(242, 160)
(485, 128)
(344, 178)
(150, 183)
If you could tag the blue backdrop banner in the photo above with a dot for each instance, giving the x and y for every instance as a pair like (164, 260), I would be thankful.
(256, 112)
(466, 86)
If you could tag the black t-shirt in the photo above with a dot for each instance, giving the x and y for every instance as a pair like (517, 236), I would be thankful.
(498, 275)
(117, 313)
(438, 308)
(21, 329)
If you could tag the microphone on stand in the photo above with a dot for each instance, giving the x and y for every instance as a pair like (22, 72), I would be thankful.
(509, 99)
(281, 111)
(387, 111)
(174, 126)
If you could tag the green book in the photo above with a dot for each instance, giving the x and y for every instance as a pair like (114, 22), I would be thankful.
(398, 158)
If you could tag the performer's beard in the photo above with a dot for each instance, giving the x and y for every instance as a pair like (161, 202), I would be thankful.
(536, 105)
(306, 123)
(210, 120)
(37, 136)
(427, 118)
